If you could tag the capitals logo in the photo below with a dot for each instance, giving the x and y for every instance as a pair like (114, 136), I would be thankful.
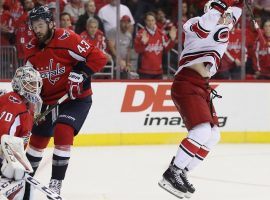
(51, 73)
(156, 48)
(14, 99)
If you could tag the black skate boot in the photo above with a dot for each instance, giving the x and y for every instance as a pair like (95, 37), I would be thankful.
(55, 185)
(172, 181)
(188, 185)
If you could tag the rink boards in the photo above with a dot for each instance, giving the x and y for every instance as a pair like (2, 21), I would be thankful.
(143, 113)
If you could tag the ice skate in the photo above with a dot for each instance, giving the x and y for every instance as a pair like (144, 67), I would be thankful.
(172, 182)
(55, 185)
(188, 185)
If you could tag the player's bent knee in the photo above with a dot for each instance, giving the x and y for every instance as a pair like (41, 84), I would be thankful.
(200, 133)
(214, 139)
(39, 142)
(63, 134)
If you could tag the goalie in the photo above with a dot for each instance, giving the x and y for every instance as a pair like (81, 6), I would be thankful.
(17, 111)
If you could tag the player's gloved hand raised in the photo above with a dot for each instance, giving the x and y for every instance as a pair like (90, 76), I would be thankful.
(12, 170)
(222, 5)
(77, 83)
(239, 3)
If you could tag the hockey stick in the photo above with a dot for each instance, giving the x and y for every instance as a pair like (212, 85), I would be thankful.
(46, 112)
(256, 26)
(32, 181)
(44, 189)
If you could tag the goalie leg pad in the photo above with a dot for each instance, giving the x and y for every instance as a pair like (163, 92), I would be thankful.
(15, 163)
(12, 190)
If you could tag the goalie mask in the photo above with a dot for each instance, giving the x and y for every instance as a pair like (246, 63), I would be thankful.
(28, 83)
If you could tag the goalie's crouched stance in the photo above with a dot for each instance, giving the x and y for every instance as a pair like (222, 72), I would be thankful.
(14, 166)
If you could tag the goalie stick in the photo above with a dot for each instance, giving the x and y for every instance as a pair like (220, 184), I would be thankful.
(44, 189)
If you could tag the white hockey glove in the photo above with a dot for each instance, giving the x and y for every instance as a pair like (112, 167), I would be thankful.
(15, 163)
(77, 83)
(12, 170)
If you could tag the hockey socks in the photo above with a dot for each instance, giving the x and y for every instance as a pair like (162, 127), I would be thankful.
(60, 164)
(199, 157)
(34, 157)
(186, 152)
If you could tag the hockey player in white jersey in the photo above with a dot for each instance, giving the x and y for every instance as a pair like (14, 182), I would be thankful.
(206, 40)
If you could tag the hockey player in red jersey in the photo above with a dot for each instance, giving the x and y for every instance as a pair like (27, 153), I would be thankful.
(16, 121)
(65, 62)
(206, 40)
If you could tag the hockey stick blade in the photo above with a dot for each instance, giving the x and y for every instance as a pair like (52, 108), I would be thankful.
(44, 189)
(46, 112)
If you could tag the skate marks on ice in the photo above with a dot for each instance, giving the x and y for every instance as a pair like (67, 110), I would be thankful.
(234, 172)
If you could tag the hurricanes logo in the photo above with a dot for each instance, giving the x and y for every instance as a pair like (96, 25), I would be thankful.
(51, 74)
(222, 35)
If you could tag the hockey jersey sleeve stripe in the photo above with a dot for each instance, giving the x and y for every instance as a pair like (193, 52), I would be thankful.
(199, 30)
(16, 123)
(195, 55)
(76, 56)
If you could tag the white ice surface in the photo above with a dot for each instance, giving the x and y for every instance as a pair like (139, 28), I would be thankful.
(231, 172)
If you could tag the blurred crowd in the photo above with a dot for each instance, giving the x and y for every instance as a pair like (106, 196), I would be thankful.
(148, 32)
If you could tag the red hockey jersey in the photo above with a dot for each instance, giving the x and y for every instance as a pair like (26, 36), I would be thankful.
(7, 21)
(233, 51)
(151, 53)
(15, 118)
(98, 40)
(57, 59)
(261, 60)
(23, 34)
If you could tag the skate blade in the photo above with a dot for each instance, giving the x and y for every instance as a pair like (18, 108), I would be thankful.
(169, 188)
(188, 195)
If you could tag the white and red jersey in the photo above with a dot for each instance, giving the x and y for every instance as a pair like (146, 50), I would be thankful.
(57, 59)
(98, 40)
(205, 40)
(16, 119)
(261, 60)
(151, 53)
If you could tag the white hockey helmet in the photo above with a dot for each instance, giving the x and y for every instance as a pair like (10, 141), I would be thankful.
(28, 83)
